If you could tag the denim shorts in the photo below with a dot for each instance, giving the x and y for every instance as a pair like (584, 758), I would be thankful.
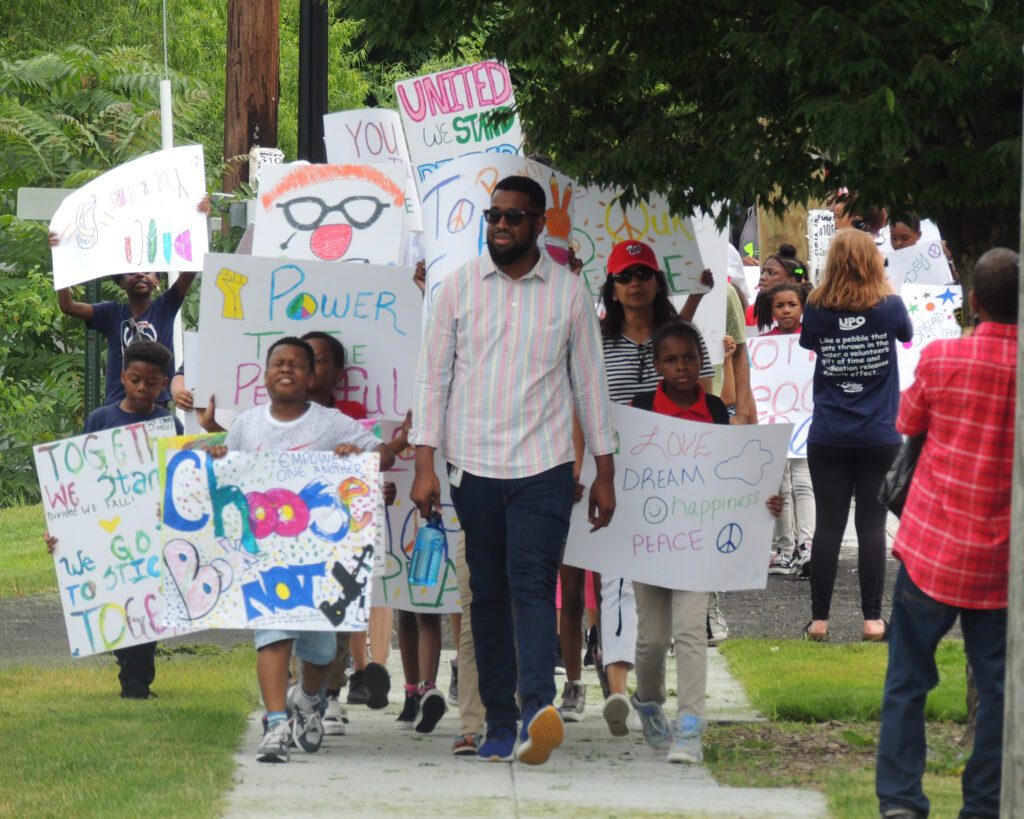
(316, 647)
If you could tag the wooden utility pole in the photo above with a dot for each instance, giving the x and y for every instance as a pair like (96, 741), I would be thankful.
(253, 82)
(1012, 799)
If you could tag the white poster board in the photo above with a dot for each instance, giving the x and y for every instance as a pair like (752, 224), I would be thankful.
(782, 380)
(690, 504)
(247, 301)
(933, 313)
(391, 586)
(373, 136)
(821, 227)
(141, 216)
(101, 494)
(279, 540)
(347, 213)
(453, 201)
(923, 263)
(445, 115)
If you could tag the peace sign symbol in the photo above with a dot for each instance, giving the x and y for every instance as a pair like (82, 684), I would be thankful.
(460, 215)
(729, 539)
(624, 225)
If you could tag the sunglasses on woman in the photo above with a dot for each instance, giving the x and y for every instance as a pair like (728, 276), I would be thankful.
(644, 274)
(513, 216)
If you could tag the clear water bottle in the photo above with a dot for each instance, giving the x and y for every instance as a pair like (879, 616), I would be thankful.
(429, 553)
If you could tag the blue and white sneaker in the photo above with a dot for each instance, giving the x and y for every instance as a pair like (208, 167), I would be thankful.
(307, 720)
(543, 731)
(275, 743)
(657, 731)
(686, 744)
(500, 744)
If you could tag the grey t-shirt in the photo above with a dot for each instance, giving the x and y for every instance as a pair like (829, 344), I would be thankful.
(320, 429)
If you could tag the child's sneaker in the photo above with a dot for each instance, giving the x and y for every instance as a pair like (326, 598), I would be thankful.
(378, 684)
(467, 744)
(686, 745)
(616, 714)
(574, 702)
(275, 742)
(334, 718)
(307, 724)
(657, 732)
(432, 708)
(407, 718)
(781, 563)
(499, 746)
(543, 731)
(802, 561)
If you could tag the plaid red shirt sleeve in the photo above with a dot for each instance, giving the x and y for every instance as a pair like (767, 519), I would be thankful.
(954, 534)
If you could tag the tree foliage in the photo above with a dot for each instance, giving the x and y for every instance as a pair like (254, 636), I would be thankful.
(915, 105)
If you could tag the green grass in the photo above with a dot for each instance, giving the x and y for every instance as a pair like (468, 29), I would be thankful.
(810, 682)
(824, 703)
(27, 568)
(74, 748)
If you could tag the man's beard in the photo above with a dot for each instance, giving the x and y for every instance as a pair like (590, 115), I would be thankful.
(511, 254)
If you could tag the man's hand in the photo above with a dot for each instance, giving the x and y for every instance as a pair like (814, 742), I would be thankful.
(602, 502)
(426, 488)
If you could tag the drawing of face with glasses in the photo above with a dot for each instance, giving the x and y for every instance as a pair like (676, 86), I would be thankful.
(330, 241)
(334, 206)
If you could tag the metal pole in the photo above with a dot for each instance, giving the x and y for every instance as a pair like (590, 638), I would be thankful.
(1012, 798)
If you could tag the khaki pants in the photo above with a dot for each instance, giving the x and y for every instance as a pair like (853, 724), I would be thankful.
(668, 617)
(471, 707)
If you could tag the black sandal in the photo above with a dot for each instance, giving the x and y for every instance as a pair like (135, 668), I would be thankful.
(877, 638)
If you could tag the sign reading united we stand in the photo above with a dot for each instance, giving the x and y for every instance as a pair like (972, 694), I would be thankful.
(445, 115)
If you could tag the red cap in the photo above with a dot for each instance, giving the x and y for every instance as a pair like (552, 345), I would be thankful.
(630, 254)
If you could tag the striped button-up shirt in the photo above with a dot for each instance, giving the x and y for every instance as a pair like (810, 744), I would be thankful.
(503, 363)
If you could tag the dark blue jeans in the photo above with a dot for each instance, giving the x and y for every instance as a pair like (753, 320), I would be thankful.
(918, 623)
(515, 533)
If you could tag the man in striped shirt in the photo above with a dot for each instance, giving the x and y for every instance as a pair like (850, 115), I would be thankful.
(511, 347)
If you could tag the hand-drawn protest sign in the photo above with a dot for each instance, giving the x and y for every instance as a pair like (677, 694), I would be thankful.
(100, 497)
(348, 213)
(923, 263)
(448, 114)
(269, 539)
(932, 311)
(372, 136)
(690, 504)
(139, 216)
(247, 301)
(821, 227)
(602, 220)
(782, 380)
(391, 586)
(453, 201)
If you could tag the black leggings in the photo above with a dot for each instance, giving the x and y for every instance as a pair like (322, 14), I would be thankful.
(839, 473)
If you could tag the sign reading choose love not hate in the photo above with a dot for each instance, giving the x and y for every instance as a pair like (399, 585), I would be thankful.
(445, 115)
(268, 539)
(690, 504)
(141, 216)
(101, 495)
(247, 302)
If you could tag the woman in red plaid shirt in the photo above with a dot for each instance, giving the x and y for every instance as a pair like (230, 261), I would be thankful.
(953, 543)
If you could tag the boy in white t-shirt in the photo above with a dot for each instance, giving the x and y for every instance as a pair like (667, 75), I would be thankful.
(291, 422)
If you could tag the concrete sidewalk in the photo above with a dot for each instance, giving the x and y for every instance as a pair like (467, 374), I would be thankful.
(379, 770)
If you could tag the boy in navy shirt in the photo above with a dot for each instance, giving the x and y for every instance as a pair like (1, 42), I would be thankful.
(143, 379)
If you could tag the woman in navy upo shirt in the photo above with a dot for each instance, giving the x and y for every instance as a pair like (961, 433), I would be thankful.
(852, 322)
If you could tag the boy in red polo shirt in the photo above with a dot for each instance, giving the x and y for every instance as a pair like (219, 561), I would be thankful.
(670, 616)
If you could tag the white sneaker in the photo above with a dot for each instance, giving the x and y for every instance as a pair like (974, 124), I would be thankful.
(307, 724)
(633, 721)
(574, 702)
(334, 718)
(275, 742)
(616, 713)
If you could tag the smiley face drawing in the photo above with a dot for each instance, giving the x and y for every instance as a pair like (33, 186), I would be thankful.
(350, 213)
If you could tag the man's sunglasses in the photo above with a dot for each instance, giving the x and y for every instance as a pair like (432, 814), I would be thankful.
(644, 274)
(513, 216)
